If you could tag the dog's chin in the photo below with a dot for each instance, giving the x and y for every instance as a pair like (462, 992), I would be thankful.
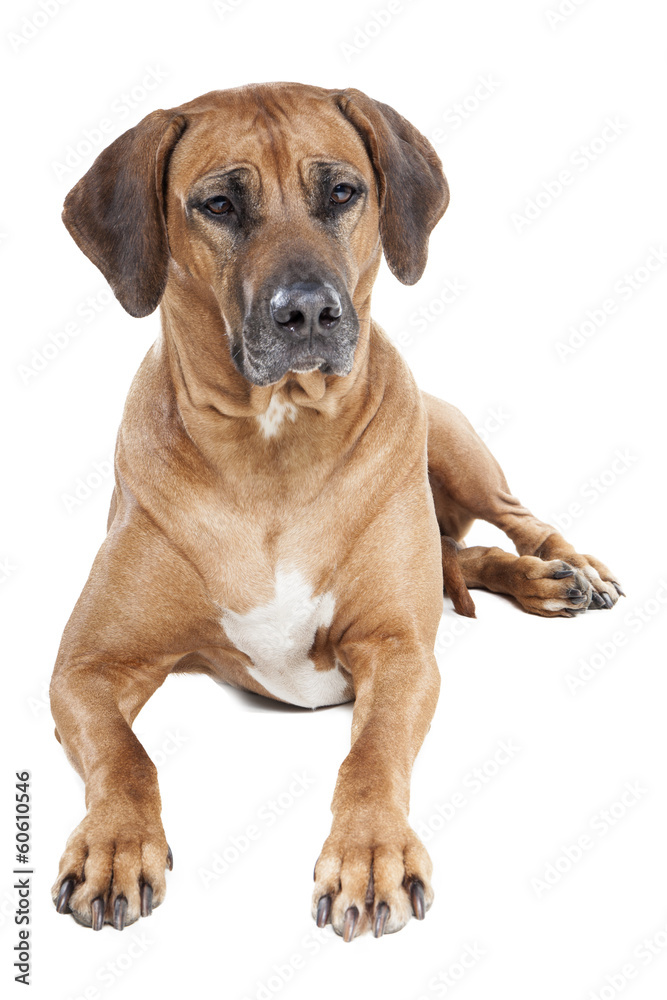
(263, 369)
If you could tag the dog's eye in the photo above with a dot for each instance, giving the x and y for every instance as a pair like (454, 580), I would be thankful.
(341, 194)
(219, 205)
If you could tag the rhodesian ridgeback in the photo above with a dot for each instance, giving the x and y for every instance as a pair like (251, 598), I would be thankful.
(287, 505)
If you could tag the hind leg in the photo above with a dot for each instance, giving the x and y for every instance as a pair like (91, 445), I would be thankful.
(468, 483)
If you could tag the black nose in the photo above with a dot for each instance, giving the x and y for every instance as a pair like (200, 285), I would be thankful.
(306, 308)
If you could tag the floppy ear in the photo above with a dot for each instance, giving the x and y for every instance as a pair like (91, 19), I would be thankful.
(412, 188)
(115, 212)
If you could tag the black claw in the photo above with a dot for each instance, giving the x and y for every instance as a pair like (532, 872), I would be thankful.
(351, 917)
(381, 917)
(607, 600)
(323, 911)
(619, 589)
(66, 890)
(97, 914)
(417, 900)
(119, 913)
(146, 900)
(560, 574)
(575, 595)
(596, 600)
(170, 859)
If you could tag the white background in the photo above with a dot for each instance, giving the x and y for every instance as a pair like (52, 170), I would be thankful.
(550, 87)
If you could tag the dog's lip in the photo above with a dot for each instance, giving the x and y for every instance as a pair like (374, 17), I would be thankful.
(304, 365)
(308, 364)
(300, 365)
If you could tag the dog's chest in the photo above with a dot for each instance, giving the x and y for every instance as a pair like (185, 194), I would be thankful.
(278, 636)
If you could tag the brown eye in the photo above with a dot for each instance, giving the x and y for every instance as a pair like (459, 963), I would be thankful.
(219, 206)
(341, 194)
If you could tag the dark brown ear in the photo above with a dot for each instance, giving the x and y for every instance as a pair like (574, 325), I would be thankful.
(115, 212)
(412, 188)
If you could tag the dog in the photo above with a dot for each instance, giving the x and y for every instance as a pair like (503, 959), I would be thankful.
(288, 507)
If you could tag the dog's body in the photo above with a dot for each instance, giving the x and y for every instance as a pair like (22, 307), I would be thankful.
(286, 499)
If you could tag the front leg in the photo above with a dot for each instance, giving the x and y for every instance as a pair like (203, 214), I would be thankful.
(139, 613)
(113, 867)
(374, 872)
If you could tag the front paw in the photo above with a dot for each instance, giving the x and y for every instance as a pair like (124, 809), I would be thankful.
(371, 877)
(113, 869)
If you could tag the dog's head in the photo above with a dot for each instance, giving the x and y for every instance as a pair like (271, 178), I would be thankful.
(274, 202)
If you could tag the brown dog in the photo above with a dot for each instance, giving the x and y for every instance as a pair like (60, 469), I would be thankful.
(276, 521)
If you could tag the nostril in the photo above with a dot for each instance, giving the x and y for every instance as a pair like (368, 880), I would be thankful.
(330, 316)
(291, 319)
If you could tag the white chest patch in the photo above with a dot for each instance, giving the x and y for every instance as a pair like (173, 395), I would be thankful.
(278, 637)
(278, 409)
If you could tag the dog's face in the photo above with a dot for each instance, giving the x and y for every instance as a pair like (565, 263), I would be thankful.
(279, 218)
(275, 202)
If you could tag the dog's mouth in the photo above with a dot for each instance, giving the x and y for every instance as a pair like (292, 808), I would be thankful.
(265, 360)
(306, 365)
(300, 364)
(263, 367)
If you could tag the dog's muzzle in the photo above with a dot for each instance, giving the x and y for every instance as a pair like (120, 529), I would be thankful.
(299, 327)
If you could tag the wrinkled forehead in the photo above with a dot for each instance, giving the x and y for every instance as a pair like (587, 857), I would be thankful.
(276, 130)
